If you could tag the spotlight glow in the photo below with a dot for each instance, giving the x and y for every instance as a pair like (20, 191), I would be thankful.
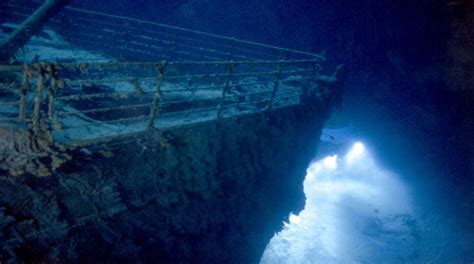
(294, 219)
(358, 148)
(350, 208)
(330, 162)
(356, 151)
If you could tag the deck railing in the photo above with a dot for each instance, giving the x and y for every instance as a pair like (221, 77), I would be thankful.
(142, 94)
(151, 76)
(140, 40)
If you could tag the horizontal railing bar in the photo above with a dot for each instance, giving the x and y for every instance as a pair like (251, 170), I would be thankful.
(128, 50)
(95, 37)
(8, 118)
(127, 95)
(143, 45)
(144, 117)
(9, 103)
(111, 81)
(316, 56)
(195, 100)
(235, 97)
(209, 50)
(178, 77)
(95, 123)
(151, 32)
(111, 47)
(120, 41)
(177, 44)
(197, 110)
(196, 55)
(219, 86)
(105, 109)
(15, 5)
(122, 137)
(119, 95)
(13, 13)
(201, 49)
(256, 52)
(165, 34)
(142, 29)
(138, 46)
(146, 64)
(155, 39)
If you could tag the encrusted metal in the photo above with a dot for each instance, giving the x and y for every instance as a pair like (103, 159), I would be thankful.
(126, 90)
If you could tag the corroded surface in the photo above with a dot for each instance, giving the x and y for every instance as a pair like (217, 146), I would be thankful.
(23, 152)
(213, 192)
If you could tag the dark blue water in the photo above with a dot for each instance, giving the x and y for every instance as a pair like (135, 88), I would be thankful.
(401, 93)
(408, 97)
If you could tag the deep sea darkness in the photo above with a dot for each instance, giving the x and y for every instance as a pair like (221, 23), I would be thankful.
(402, 56)
(410, 87)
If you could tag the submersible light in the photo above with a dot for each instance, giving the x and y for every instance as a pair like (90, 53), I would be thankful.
(356, 151)
(330, 162)
(355, 211)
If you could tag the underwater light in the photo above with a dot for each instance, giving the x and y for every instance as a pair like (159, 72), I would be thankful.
(356, 151)
(354, 211)
(330, 162)
(294, 219)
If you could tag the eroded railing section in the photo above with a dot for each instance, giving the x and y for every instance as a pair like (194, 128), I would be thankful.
(83, 103)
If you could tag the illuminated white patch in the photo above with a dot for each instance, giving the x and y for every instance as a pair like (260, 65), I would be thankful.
(356, 152)
(350, 208)
(330, 162)
(294, 219)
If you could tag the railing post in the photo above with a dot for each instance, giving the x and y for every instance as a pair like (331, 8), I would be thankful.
(160, 69)
(37, 106)
(230, 51)
(52, 71)
(138, 88)
(225, 89)
(276, 83)
(25, 86)
(314, 73)
(174, 47)
(315, 68)
(126, 42)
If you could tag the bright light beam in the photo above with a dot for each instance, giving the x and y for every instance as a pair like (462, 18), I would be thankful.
(356, 152)
(330, 162)
(351, 206)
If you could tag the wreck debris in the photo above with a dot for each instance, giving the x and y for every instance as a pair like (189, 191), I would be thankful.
(20, 36)
(327, 90)
(23, 151)
(102, 102)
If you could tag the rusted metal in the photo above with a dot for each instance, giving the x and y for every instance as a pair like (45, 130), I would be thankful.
(160, 69)
(52, 72)
(38, 98)
(23, 90)
(214, 75)
(48, 81)
(275, 86)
